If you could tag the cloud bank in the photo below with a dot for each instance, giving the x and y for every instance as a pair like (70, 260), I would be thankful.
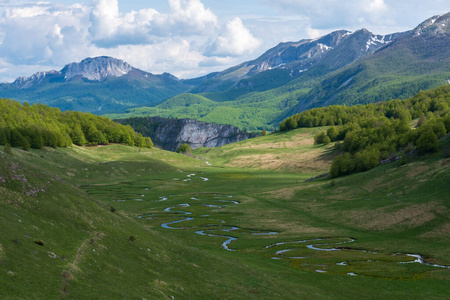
(45, 34)
(189, 39)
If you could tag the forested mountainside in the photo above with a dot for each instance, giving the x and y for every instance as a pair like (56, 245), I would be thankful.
(36, 126)
(171, 133)
(339, 68)
(369, 134)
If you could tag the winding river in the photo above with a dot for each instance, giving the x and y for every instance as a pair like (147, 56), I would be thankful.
(319, 244)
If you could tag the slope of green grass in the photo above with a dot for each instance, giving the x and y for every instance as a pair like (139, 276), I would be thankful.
(251, 112)
(293, 151)
(90, 252)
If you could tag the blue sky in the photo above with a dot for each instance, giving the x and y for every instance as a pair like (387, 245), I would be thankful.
(187, 38)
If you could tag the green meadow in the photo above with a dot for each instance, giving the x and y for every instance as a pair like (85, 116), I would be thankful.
(240, 221)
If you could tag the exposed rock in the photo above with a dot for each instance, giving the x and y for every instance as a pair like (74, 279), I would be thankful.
(171, 133)
(97, 68)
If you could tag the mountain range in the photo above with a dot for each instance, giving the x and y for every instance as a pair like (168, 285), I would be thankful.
(339, 68)
(97, 85)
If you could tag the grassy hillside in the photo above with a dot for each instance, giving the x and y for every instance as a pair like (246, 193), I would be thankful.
(251, 112)
(106, 222)
(293, 151)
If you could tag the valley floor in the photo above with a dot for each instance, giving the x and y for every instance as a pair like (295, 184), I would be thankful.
(118, 222)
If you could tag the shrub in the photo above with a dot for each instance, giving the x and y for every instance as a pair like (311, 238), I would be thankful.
(427, 142)
(321, 138)
(332, 133)
(184, 148)
(342, 165)
(367, 159)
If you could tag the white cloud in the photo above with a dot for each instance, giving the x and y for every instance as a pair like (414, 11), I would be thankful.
(105, 18)
(110, 28)
(29, 33)
(185, 37)
(235, 40)
(191, 16)
(326, 14)
(52, 35)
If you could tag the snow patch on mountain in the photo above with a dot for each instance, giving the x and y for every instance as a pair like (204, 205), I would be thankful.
(376, 40)
(27, 82)
(324, 47)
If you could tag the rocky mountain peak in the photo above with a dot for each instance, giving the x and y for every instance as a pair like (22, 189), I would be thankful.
(97, 68)
(303, 53)
(433, 26)
(26, 82)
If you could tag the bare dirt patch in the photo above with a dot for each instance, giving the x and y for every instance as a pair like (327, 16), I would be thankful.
(382, 182)
(284, 227)
(416, 171)
(287, 193)
(439, 232)
(304, 139)
(409, 217)
(295, 228)
(343, 193)
(294, 142)
(293, 161)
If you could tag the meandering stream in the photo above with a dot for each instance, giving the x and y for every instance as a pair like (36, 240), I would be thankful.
(319, 244)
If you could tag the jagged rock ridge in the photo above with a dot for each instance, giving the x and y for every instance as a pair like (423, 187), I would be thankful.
(97, 68)
(94, 69)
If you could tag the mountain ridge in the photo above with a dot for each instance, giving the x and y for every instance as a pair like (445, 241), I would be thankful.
(98, 85)
(341, 67)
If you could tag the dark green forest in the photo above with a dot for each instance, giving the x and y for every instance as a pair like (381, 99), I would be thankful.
(35, 126)
(374, 133)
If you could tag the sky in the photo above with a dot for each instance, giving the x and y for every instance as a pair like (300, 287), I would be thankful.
(187, 38)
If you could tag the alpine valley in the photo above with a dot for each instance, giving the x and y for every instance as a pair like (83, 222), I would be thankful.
(339, 202)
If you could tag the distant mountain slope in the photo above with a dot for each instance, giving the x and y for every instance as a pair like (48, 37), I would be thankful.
(339, 68)
(417, 60)
(352, 68)
(99, 85)
(292, 60)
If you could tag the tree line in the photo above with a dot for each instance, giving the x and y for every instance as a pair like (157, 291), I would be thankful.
(35, 126)
(369, 134)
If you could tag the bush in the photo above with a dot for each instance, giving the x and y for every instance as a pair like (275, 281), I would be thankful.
(427, 142)
(342, 165)
(184, 148)
(367, 159)
(321, 138)
(332, 133)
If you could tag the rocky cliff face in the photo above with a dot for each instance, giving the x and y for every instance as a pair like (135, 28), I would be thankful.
(97, 68)
(171, 133)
